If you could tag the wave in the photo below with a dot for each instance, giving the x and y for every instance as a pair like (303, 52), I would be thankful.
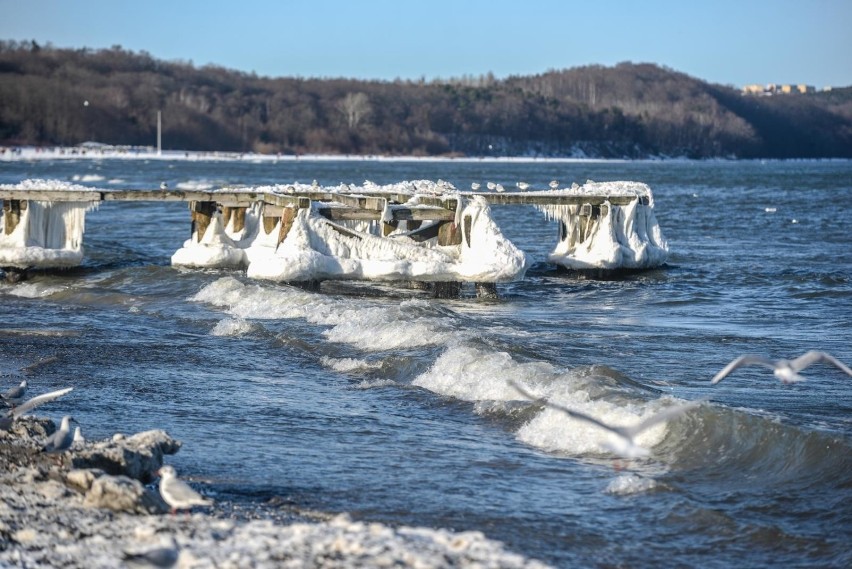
(428, 346)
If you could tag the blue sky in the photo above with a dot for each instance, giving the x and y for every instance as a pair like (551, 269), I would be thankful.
(733, 42)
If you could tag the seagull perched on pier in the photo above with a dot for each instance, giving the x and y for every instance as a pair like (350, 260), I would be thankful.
(14, 396)
(625, 445)
(553, 184)
(164, 186)
(177, 493)
(475, 186)
(62, 439)
(499, 188)
(785, 370)
(523, 186)
(491, 186)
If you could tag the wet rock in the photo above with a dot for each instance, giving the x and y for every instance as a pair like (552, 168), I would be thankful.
(138, 457)
(82, 479)
(123, 494)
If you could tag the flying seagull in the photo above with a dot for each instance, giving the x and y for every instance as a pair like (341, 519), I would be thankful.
(31, 404)
(785, 370)
(177, 493)
(625, 445)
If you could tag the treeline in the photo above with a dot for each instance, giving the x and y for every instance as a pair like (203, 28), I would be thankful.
(54, 96)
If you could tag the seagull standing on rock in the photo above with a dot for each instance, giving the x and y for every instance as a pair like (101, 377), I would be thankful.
(787, 371)
(177, 493)
(15, 395)
(62, 439)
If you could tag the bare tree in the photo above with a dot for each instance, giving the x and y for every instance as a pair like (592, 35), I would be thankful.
(355, 107)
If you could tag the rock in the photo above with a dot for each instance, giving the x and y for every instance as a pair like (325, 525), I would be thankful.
(123, 494)
(83, 478)
(139, 456)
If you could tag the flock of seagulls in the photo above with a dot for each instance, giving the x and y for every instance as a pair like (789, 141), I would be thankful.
(175, 492)
(522, 186)
(624, 443)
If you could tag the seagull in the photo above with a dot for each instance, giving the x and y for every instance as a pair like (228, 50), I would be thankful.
(491, 185)
(475, 186)
(164, 186)
(78, 440)
(177, 493)
(553, 184)
(785, 370)
(625, 445)
(31, 404)
(61, 440)
(500, 188)
(15, 395)
(523, 186)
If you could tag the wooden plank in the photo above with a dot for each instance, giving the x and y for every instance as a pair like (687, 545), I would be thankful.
(50, 195)
(400, 213)
(533, 199)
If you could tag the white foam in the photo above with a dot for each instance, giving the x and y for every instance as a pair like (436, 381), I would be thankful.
(31, 289)
(232, 327)
(347, 365)
(87, 178)
(473, 374)
(628, 484)
(373, 327)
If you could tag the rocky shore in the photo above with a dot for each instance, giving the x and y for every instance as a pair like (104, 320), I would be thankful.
(91, 508)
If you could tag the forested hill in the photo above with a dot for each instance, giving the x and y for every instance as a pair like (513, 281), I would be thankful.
(64, 97)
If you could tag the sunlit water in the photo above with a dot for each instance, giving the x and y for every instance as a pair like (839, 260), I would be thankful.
(379, 401)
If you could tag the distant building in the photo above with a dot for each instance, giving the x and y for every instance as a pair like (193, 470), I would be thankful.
(775, 89)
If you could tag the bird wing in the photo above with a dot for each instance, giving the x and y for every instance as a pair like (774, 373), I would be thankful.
(31, 404)
(568, 411)
(739, 362)
(813, 357)
(662, 416)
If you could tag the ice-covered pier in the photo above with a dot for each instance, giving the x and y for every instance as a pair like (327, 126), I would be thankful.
(419, 230)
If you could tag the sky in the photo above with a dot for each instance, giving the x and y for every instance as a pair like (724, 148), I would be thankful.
(731, 42)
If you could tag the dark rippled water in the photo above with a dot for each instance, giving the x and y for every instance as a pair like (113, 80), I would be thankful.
(379, 401)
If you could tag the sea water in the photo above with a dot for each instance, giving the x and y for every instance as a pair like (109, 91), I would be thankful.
(379, 401)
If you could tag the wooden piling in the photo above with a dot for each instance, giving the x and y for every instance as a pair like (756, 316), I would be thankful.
(202, 214)
(288, 214)
(448, 234)
(12, 214)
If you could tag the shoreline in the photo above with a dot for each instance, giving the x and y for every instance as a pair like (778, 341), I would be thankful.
(67, 515)
(36, 153)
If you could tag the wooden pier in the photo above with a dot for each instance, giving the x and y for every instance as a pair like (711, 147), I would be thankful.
(281, 206)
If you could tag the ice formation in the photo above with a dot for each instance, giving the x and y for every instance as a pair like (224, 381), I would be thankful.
(612, 236)
(47, 234)
(316, 248)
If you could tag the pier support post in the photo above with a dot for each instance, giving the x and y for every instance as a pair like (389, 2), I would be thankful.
(202, 214)
(448, 234)
(288, 214)
(12, 214)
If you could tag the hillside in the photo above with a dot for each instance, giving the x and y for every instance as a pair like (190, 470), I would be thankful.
(64, 97)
